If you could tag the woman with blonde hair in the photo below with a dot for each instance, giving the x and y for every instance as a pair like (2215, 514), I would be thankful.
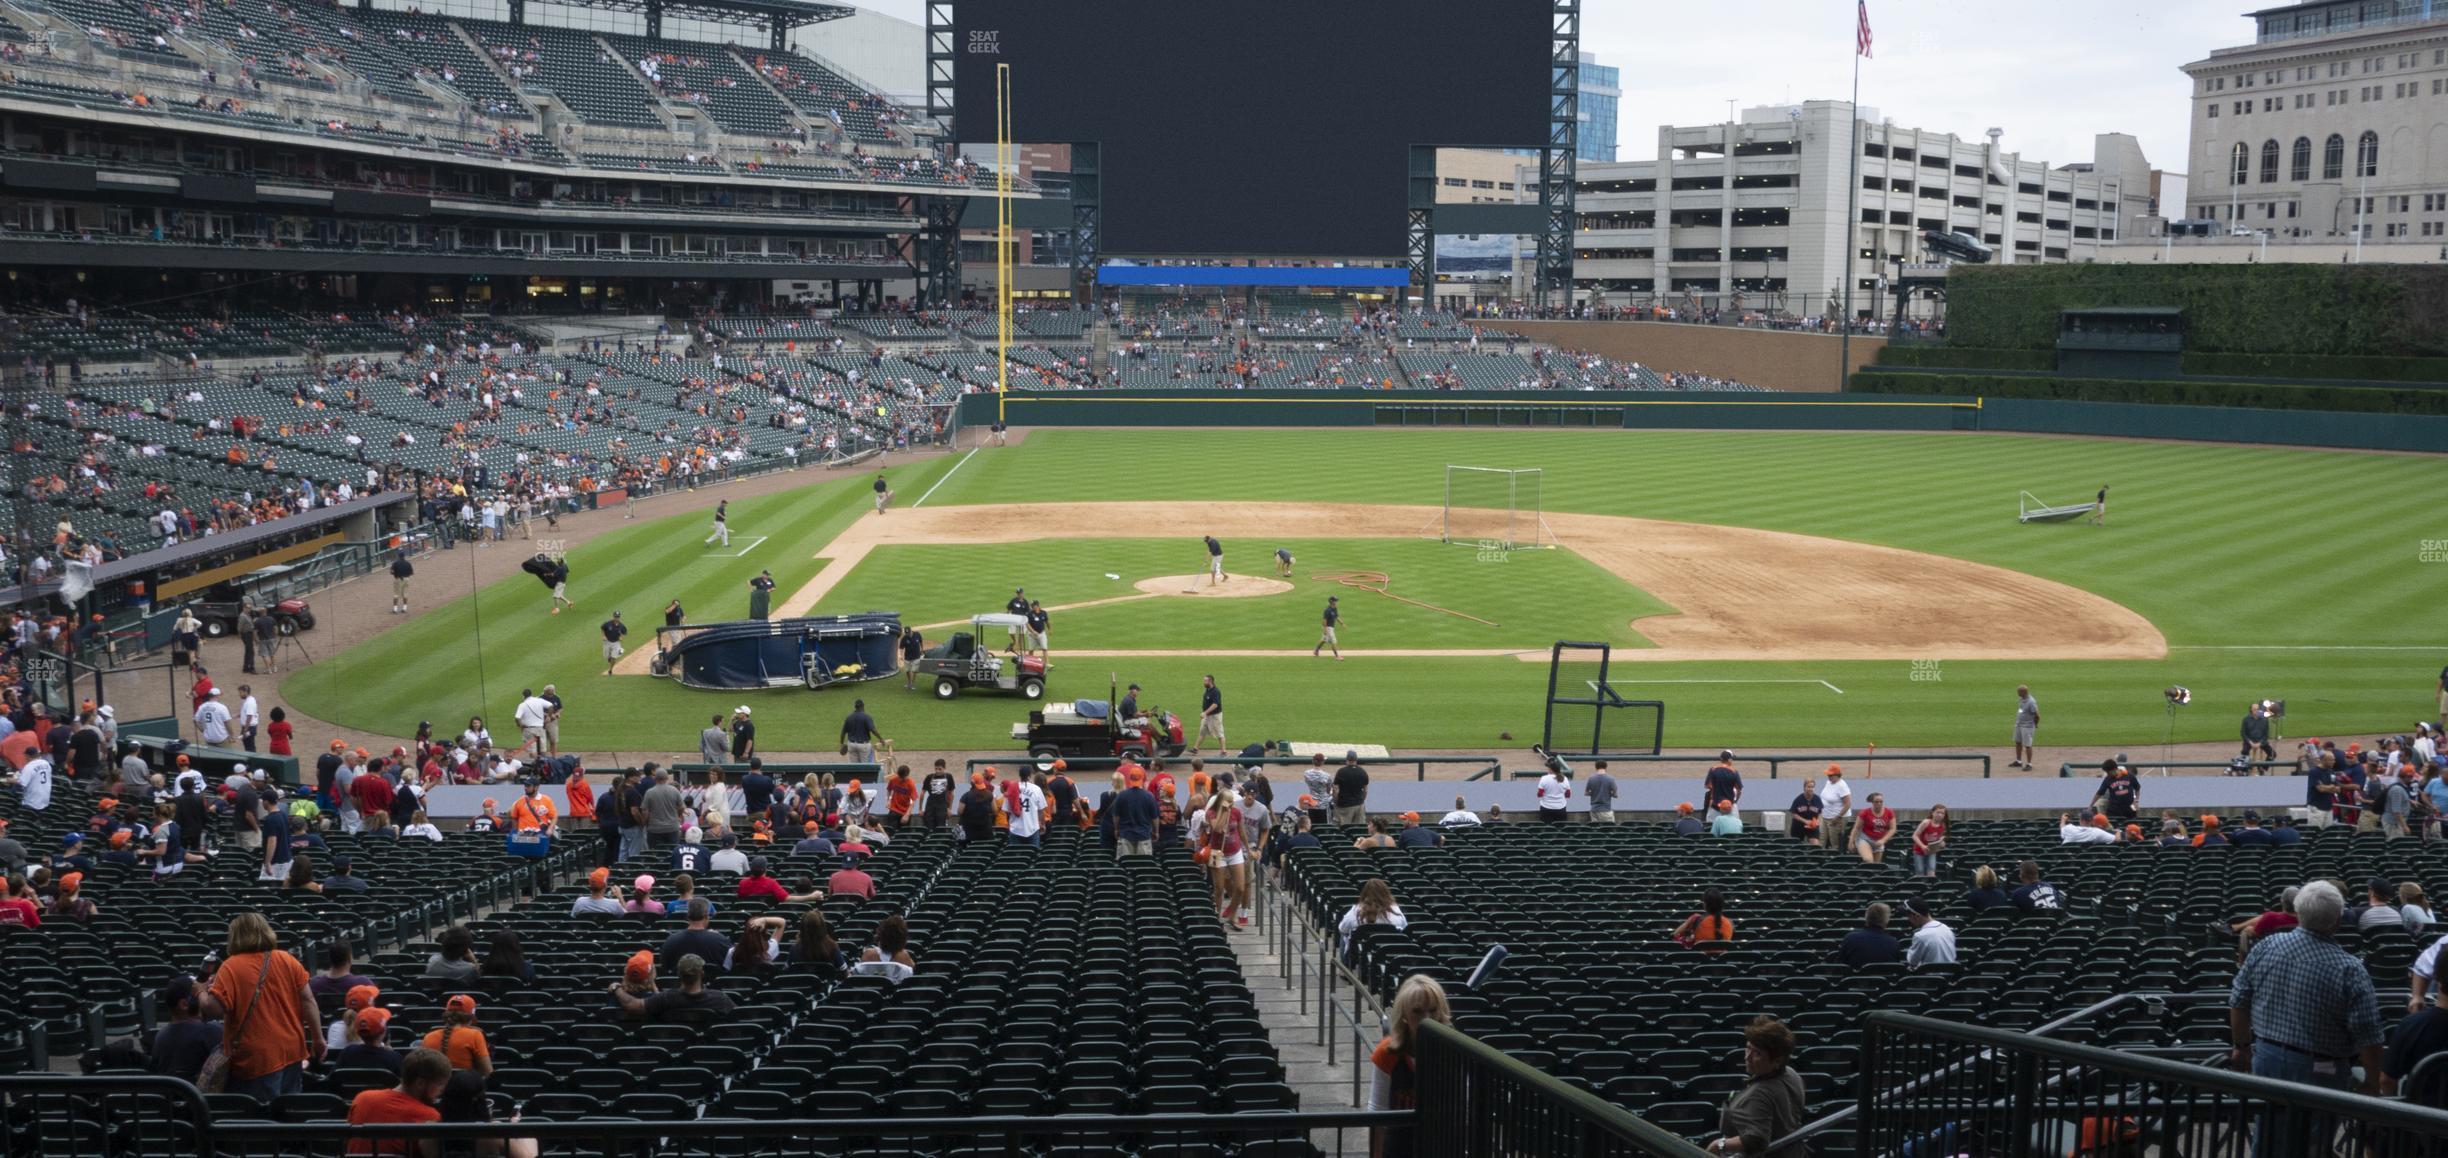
(259, 994)
(1394, 1064)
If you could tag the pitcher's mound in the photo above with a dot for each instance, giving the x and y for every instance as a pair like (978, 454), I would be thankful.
(1233, 587)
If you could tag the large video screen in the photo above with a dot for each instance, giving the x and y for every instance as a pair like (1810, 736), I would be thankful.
(1260, 127)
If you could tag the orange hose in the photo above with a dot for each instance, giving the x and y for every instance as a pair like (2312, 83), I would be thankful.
(1378, 581)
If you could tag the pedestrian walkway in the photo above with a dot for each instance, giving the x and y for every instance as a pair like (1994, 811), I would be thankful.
(1287, 994)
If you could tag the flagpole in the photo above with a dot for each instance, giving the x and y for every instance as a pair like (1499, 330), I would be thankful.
(1844, 344)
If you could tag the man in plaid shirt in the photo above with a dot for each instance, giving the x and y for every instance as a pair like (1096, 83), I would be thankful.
(2303, 1009)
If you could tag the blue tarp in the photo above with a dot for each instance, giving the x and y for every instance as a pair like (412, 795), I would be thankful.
(760, 653)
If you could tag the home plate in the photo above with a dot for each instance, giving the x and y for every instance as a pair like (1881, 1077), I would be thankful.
(1233, 586)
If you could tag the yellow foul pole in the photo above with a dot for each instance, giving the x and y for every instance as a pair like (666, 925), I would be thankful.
(1003, 235)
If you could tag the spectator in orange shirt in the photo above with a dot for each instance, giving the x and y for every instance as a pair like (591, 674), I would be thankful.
(581, 796)
(459, 1040)
(423, 1074)
(532, 811)
(900, 796)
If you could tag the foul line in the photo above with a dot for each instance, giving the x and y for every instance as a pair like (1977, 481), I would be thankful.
(1822, 683)
(746, 547)
(2308, 647)
(947, 477)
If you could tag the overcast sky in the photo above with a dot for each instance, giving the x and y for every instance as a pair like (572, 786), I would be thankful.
(2049, 74)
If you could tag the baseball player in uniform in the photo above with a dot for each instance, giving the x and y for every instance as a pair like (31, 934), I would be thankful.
(722, 523)
(1326, 634)
(1215, 561)
(883, 492)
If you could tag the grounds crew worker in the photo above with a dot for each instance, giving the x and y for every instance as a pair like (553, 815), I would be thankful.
(400, 571)
(1326, 636)
(1018, 605)
(883, 493)
(1215, 562)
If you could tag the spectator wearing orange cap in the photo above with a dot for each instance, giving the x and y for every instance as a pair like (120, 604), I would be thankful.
(1687, 821)
(1415, 835)
(638, 975)
(67, 900)
(2211, 835)
(343, 1028)
(487, 820)
(459, 1040)
(1726, 822)
(812, 841)
(856, 803)
(598, 899)
(977, 808)
(1134, 814)
(369, 1046)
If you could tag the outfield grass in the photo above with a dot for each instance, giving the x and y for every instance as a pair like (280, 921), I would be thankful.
(1532, 598)
(2222, 547)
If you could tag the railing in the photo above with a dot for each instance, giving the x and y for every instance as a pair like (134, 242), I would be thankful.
(2146, 1004)
(1486, 767)
(1775, 763)
(1936, 1087)
(2070, 769)
(109, 1114)
(1474, 1100)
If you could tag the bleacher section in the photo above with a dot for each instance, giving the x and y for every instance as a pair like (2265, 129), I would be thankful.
(573, 66)
(433, 46)
(709, 79)
(1593, 989)
(1051, 978)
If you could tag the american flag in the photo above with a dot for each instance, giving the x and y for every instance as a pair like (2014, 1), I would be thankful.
(1861, 35)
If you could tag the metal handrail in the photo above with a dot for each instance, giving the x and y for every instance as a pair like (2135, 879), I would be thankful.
(1778, 761)
(2368, 1113)
(1419, 764)
(1847, 1113)
(1441, 1045)
(2069, 770)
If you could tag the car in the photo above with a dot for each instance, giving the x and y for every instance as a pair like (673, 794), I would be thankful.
(964, 662)
(1087, 728)
(217, 607)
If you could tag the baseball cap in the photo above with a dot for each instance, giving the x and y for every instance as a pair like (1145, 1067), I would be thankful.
(339, 745)
(255, 774)
(489, 802)
(460, 1003)
(68, 882)
(362, 996)
(1685, 808)
(2252, 814)
(811, 827)
(1835, 770)
(640, 966)
(1917, 906)
(120, 838)
(1308, 801)
(71, 839)
(341, 862)
(2101, 819)
(600, 877)
(2381, 885)
(1725, 806)
(854, 786)
(373, 1020)
(644, 883)
(1410, 816)
(743, 710)
(756, 864)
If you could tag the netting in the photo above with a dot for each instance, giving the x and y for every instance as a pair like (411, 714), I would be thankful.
(1492, 507)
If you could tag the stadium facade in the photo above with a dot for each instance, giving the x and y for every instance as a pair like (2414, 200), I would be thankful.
(458, 162)
(1754, 212)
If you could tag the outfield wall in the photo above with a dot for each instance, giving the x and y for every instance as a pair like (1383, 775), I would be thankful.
(1705, 410)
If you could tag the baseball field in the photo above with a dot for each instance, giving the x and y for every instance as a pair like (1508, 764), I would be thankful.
(1795, 590)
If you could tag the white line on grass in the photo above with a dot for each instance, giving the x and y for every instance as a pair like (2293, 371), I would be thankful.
(1822, 683)
(2308, 647)
(947, 477)
(746, 547)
